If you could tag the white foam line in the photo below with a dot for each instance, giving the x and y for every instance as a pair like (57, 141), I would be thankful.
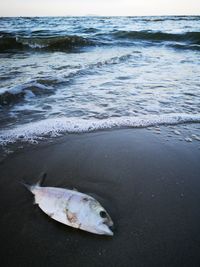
(55, 126)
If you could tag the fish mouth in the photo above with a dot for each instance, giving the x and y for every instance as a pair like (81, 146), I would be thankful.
(108, 231)
(109, 228)
(109, 223)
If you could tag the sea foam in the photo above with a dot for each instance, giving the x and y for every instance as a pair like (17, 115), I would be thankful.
(55, 126)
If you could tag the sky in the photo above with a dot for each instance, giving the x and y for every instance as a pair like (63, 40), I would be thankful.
(98, 7)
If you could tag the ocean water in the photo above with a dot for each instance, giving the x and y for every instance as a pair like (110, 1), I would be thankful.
(79, 74)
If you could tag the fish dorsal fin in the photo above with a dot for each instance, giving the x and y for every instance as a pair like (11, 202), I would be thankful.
(41, 180)
(75, 189)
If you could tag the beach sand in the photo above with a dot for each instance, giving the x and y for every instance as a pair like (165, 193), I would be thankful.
(150, 187)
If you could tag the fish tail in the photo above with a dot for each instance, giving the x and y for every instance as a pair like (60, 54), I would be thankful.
(28, 186)
(33, 186)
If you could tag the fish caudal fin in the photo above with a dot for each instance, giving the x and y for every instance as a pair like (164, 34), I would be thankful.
(28, 186)
(32, 187)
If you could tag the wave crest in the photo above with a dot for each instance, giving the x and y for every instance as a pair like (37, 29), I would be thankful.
(54, 43)
(191, 37)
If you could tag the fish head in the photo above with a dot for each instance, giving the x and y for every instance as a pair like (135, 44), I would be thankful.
(98, 219)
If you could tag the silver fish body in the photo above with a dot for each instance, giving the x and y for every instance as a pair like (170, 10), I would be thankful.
(73, 208)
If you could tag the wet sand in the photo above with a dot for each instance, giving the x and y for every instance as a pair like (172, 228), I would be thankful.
(150, 187)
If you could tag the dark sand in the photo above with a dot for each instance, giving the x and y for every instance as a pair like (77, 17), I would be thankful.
(150, 187)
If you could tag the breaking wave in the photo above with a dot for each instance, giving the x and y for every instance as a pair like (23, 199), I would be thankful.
(17, 93)
(54, 43)
(40, 41)
(46, 86)
(34, 131)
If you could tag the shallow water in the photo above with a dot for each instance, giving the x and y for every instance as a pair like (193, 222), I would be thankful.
(77, 74)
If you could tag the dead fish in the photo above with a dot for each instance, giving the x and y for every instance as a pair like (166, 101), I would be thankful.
(72, 208)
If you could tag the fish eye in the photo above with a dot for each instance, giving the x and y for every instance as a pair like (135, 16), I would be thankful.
(103, 214)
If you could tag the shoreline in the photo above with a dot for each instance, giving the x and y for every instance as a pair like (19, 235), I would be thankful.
(149, 186)
(34, 131)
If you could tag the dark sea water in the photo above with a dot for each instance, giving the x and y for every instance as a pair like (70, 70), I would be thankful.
(79, 74)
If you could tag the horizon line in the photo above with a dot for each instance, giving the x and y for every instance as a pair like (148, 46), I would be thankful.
(96, 15)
